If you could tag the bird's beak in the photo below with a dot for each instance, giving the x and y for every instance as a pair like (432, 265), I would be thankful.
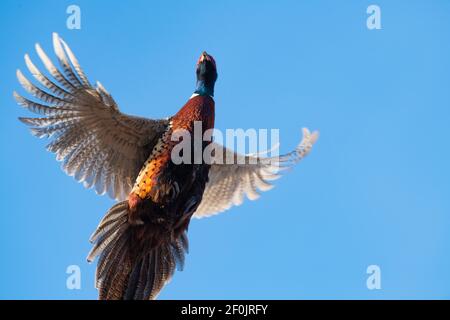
(203, 57)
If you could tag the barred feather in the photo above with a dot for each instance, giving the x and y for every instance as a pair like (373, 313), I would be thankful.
(99, 145)
(229, 183)
(122, 275)
(46, 82)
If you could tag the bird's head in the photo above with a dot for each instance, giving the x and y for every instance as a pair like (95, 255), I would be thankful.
(206, 74)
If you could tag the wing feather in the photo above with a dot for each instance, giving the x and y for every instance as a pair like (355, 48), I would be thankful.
(98, 145)
(228, 184)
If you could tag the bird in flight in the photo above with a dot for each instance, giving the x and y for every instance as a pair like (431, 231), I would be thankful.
(142, 238)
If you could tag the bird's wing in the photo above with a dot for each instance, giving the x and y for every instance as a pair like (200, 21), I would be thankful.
(98, 144)
(229, 183)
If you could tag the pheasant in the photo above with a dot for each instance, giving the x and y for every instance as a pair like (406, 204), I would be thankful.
(142, 239)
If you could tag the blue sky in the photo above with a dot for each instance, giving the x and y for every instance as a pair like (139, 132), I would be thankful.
(375, 189)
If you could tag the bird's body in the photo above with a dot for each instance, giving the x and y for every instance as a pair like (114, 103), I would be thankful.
(142, 238)
(199, 108)
(159, 208)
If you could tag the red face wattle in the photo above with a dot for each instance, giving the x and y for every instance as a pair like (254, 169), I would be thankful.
(204, 56)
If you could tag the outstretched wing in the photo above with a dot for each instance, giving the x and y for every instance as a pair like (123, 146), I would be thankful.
(229, 183)
(97, 143)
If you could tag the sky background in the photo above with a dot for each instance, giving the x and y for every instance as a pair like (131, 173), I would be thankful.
(374, 190)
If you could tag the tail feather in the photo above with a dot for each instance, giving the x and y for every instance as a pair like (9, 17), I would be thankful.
(115, 214)
(131, 269)
(138, 277)
(151, 274)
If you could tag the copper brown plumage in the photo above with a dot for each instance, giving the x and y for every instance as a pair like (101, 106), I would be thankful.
(142, 238)
(157, 214)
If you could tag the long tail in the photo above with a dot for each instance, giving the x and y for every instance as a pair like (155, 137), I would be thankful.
(129, 267)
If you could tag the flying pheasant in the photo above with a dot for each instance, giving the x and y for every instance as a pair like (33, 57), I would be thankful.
(142, 238)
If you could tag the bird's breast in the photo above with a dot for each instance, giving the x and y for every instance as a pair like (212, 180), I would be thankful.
(198, 108)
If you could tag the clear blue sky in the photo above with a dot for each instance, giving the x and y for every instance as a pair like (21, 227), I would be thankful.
(375, 189)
